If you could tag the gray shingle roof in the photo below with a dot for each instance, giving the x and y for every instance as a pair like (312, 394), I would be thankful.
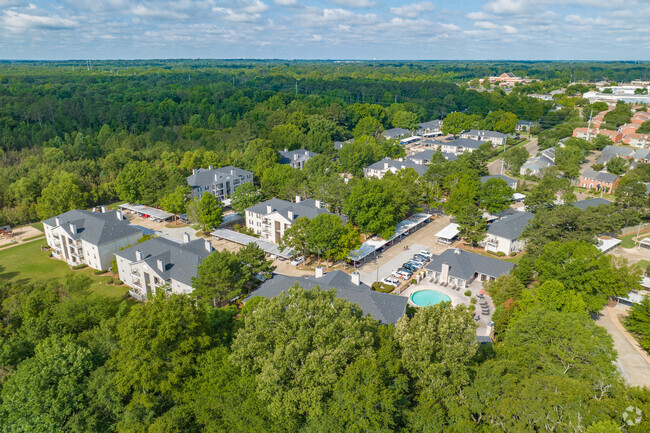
(511, 226)
(306, 208)
(597, 175)
(427, 155)
(610, 150)
(296, 155)
(484, 133)
(512, 183)
(463, 264)
(395, 132)
(384, 307)
(431, 124)
(467, 143)
(398, 165)
(181, 260)
(204, 176)
(641, 154)
(94, 227)
(590, 202)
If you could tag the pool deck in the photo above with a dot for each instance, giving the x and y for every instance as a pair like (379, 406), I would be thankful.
(457, 298)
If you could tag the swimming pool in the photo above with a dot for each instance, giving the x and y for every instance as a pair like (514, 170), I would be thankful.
(425, 298)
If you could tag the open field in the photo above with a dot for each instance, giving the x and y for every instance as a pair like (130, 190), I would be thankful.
(26, 263)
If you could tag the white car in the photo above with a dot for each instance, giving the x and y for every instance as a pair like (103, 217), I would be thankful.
(297, 261)
(391, 281)
(426, 253)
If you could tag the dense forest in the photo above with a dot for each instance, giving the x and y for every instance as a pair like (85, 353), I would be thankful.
(76, 134)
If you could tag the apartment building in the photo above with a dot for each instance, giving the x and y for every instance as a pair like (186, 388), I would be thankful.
(596, 180)
(221, 182)
(460, 145)
(161, 263)
(271, 218)
(484, 136)
(504, 235)
(296, 158)
(589, 134)
(83, 237)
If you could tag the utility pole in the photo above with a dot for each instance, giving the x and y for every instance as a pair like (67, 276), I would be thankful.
(589, 124)
(503, 157)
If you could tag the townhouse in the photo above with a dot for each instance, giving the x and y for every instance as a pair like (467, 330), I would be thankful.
(271, 218)
(417, 162)
(637, 140)
(430, 128)
(296, 158)
(484, 136)
(161, 264)
(460, 145)
(591, 133)
(220, 182)
(394, 133)
(504, 235)
(460, 268)
(535, 165)
(83, 237)
(610, 152)
(600, 181)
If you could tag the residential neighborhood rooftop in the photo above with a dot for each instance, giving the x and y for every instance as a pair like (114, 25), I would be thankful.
(463, 264)
(590, 202)
(510, 226)
(94, 227)
(303, 208)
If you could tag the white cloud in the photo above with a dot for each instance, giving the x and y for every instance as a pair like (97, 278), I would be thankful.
(479, 16)
(355, 3)
(507, 6)
(315, 38)
(157, 13)
(11, 3)
(413, 10)
(33, 18)
(243, 11)
(286, 3)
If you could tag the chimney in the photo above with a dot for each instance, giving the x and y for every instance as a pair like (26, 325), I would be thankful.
(161, 265)
(385, 166)
(138, 255)
(210, 167)
(319, 271)
(290, 215)
(194, 171)
(318, 204)
(208, 246)
(186, 237)
(356, 278)
(295, 156)
(298, 199)
(269, 208)
(306, 153)
(57, 221)
(444, 272)
(103, 209)
(73, 228)
(119, 215)
(286, 149)
(457, 250)
(232, 171)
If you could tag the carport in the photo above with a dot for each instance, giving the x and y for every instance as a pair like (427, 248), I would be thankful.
(242, 239)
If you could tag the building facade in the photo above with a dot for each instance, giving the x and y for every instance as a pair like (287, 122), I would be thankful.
(83, 237)
(221, 182)
(504, 235)
(484, 136)
(161, 264)
(599, 181)
(296, 158)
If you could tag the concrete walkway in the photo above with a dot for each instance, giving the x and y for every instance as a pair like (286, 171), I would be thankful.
(633, 362)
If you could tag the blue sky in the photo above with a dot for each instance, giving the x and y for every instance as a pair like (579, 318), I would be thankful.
(334, 29)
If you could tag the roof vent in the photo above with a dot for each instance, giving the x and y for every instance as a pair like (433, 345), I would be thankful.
(232, 171)
(319, 271)
(194, 171)
(210, 167)
(457, 250)
(290, 215)
(208, 246)
(318, 204)
(119, 215)
(186, 237)
(269, 208)
(298, 199)
(286, 149)
(103, 209)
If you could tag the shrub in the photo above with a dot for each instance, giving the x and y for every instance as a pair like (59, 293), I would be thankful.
(80, 266)
(468, 293)
(512, 254)
(492, 253)
(49, 254)
(99, 271)
(501, 254)
(109, 281)
(472, 301)
(413, 281)
(382, 287)
(117, 282)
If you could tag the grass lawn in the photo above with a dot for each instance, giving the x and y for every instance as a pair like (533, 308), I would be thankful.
(27, 263)
(643, 264)
(38, 226)
(627, 241)
(115, 206)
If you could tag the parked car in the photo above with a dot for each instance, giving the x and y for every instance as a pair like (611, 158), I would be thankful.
(419, 261)
(426, 253)
(409, 267)
(391, 281)
(416, 265)
(405, 273)
(421, 258)
(297, 261)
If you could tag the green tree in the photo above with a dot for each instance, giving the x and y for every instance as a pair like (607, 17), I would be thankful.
(206, 212)
(176, 202)
(253, 258)
(367, 126)
(472, 226)
(62, 194)
(297, 237)
(568, 160)
(514, 158)
(600, 141)
(554, 296)
(617, 165)
(325, 232)
(548, 190)
(245, 196)
(631, 193)
(222, 276)
(495, 195)
(638, 322)
(406, 120)
(298, 345)
(360, 153)
(454, 123)
(501, 121)
(46, 391)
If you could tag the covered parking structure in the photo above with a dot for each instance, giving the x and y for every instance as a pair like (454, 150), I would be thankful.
(143, 211)
(242, 239)
(372, 247)
(448, 235)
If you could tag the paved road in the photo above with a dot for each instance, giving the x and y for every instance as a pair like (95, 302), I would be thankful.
(632, 365)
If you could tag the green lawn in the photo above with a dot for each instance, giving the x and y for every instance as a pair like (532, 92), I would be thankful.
(38, 226)
(27, 263)
(643, 264)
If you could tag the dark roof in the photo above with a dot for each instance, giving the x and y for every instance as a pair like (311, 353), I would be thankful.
(207, 177)
(306, 208)
(484, 133)
(467, 143)
(597, 175)
(94, 227)
(395, 132)
(287, 157)
(384, 307)
(427, 155)
(398, 165)
(511, 226)
(181, 260)
(617, 151)
(431, 124)
(512, 183)
(590, 202)
(463, 264)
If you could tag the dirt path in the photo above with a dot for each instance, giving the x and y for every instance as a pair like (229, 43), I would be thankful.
(20, 234)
